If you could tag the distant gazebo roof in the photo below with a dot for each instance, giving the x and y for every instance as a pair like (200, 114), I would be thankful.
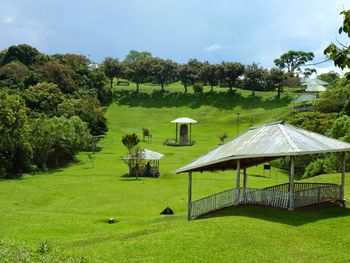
(184, 120)
(315, 85)
(304, 98)
(148, 155)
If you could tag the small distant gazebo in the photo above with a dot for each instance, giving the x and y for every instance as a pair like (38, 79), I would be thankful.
(151, 157)
(259, 145)
(315, 85)
(183, 136)
(303, 102)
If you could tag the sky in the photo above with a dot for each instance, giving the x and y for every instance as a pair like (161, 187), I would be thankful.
(245, 31)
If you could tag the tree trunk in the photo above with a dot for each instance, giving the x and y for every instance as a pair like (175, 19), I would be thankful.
(278, 92)
(111, 83)
(162, 87)
(253, 92)
(137, 87)
(185, 89)
(211, 89)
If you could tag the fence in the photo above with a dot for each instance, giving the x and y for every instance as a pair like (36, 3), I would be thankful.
(275, 196)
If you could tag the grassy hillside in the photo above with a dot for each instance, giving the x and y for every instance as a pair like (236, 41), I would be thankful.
(70, 207)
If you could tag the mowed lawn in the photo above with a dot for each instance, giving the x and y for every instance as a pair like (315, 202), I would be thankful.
(70, 207)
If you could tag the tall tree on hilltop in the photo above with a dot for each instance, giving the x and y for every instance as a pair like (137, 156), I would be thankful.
(292, 60)
(113, 68)
(134, 56)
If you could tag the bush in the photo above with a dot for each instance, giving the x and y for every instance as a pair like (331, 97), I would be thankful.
(316, 167)
(198, 88)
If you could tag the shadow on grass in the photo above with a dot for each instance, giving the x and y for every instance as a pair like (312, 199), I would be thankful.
(298, 217)
(220, 100)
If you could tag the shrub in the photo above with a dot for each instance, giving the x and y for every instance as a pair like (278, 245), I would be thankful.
(198, 88)
(315, 168)
(130, 141)
(145, 132)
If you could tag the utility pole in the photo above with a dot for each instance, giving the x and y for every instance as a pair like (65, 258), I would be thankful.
(238, 113)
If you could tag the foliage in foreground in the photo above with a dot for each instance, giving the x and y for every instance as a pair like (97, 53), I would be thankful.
(14, 252)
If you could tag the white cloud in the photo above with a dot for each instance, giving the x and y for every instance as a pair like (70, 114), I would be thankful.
(19, 29)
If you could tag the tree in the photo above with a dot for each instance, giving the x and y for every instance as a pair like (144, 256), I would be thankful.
(138, 71)
(255, 77)
(186, 75)
(210, 75)
(13, 75)
(56, 140)
(130, 141)
(15, 149)
(22, 53)
(99, 82)
(113, 69)
(341, 55)
(292, 60)
(134, 56)
(43, 97)
(88, 109)
(163, 71)
(330, 77)
(63, 76)
(230, 73)
(276, 79)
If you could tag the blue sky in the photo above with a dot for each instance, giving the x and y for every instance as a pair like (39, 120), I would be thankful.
(237, 30)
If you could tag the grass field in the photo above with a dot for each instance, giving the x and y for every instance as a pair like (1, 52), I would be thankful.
(70, 207)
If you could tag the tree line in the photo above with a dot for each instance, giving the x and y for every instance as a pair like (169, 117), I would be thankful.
(142, 67)
(50, 108)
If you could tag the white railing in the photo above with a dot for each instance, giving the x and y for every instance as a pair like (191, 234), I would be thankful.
(305, 194)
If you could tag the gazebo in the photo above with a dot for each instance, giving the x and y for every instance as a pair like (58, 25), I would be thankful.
(315, 85)
(147, 155)
(183, 136)
(259, 145)
(304, 100)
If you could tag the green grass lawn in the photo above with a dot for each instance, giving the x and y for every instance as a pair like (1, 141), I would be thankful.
(70, 207)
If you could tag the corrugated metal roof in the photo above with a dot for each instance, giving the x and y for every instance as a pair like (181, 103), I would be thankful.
(314, 82)
(184, 120)
(304, 98)
(264, 143)
(147, 155)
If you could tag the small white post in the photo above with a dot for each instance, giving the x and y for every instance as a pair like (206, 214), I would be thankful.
(238, 177)
(245, 182)
(291, 185)
(245, 178)
(343, 178)
(189, 195)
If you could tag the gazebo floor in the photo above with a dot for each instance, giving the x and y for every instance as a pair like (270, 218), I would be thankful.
(305, 194)
(172, 142)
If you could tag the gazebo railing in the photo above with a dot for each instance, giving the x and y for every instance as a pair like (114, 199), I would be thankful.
(317, 195)
(305, 194)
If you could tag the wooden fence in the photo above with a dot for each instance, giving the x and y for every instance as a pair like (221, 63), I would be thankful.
(275, 196)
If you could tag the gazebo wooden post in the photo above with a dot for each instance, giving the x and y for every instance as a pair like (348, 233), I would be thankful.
(238, 175)
(245, 182)
(176, 133)
(343, 177)
(291, 185)
(190, 132)
(189, 195)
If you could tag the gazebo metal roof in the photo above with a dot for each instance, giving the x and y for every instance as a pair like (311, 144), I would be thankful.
(314, 82)
(184, 120)
(147, 155)
(265, 143)
(304, 98)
